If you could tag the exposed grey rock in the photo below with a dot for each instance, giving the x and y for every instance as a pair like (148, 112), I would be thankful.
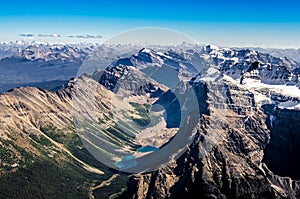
(226, 158)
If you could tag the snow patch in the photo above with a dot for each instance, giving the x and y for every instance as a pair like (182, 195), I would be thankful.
(290, 105)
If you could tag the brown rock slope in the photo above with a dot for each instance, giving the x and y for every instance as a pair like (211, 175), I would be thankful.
(41, 155)
(26, 114)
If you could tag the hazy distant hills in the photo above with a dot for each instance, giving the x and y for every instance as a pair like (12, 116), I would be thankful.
(23, 63)
(290, 53)
(38, 64)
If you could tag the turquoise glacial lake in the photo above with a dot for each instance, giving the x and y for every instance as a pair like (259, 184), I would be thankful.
(146, 149)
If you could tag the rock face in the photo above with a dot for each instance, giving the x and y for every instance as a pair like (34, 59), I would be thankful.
(283, 151)
(226, 158)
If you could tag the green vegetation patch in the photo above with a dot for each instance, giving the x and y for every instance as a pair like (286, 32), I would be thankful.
(7, 158)
(44, 177)
(61, 136)
(114, 190)
(143, 110)
(41, 140)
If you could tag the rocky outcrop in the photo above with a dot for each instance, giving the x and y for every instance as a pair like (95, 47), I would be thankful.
(247, 62)
(226, 158)
(130, 79)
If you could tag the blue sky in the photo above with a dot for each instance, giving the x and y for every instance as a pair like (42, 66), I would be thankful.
(226, 23)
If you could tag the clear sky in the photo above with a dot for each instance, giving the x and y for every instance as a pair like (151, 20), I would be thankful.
(225, 23)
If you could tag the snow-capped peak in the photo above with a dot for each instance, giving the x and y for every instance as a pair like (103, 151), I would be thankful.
(210, 48)
(145, 50)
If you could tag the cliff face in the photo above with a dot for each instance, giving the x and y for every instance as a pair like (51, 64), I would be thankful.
(281, 154)
(226, 158)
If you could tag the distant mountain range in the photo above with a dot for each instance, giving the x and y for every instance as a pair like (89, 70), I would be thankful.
(29, 63)
(290, 53)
